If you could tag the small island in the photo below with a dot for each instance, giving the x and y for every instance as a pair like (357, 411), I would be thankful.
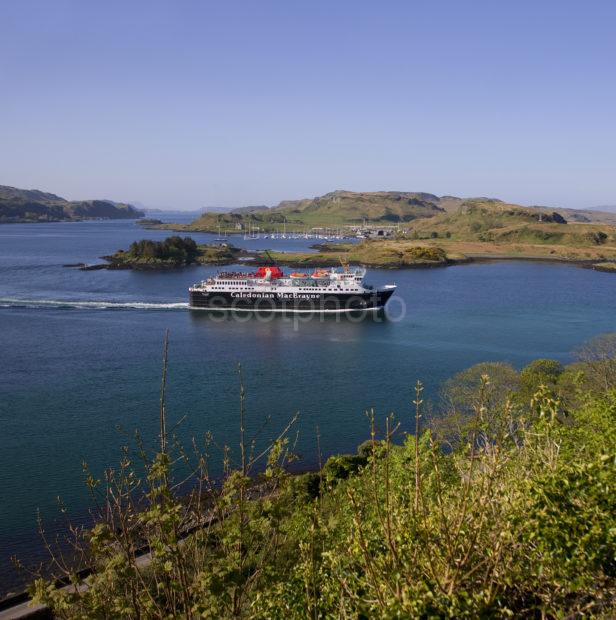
(172, 253)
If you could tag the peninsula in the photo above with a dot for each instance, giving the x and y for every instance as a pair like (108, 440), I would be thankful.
(19, 206)
(447, 240)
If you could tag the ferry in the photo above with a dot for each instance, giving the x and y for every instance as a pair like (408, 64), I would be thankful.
(268, 289)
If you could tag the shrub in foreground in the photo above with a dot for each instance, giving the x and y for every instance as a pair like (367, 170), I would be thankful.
(516, 518)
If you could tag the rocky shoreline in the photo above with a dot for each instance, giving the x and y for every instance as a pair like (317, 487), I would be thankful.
(376, 255)
(260, 259)
(607, 267)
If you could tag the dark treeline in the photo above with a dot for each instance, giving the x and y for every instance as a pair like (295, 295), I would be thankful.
(175, 249)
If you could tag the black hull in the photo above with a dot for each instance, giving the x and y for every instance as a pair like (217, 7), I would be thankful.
(281, 302)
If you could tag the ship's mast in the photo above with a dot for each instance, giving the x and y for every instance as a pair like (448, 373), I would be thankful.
(269, 257)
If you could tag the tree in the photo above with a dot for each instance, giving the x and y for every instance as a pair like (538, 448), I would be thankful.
(599, 358)
(461, 391)
(176, 249)
(539, 372)
(481, 391)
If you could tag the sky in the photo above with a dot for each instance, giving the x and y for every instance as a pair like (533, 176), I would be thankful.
(190, 103)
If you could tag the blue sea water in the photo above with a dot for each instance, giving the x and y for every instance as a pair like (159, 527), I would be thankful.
(80, 357)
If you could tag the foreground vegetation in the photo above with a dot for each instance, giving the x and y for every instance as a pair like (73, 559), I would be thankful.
(504, 506)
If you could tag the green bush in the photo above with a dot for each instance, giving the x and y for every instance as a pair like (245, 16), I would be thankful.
(307, 486)
(340, 467)
(369, 448)
(540, 372)
(425, 253)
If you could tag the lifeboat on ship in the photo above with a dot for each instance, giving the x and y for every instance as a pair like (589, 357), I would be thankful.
(297, 275)
(320, 273)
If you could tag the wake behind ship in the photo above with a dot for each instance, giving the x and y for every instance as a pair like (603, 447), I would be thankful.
(270, 290)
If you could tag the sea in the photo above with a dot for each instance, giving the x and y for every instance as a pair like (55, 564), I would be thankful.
(81, 360)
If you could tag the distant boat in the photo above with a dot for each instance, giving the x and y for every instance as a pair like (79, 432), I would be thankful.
(221, 238)
(251, 233)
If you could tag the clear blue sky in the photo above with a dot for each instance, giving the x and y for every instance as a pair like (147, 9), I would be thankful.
(190, 103)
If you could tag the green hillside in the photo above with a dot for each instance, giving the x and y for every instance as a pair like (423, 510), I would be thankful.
(341, 207)
(20, 205)
(337, 208)
(491, 220)
(401, 209)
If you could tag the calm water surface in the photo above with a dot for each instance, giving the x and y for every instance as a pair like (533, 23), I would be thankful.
(80, 356)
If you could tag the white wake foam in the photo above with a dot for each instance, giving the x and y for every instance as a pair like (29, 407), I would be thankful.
(90, 305)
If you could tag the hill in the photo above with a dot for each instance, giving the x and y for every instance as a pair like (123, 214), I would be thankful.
(32, 205)
(490, 220)
(339, 208)
(342, 207)
(387, 208)
(476, 228)
(604, 208)
(599, 215)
